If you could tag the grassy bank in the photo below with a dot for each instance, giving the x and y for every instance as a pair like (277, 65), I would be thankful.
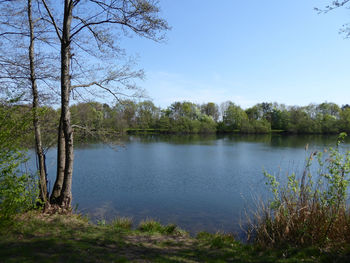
(34, 237)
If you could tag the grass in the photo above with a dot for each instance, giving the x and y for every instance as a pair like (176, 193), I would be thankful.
(35, 237)
(122, 223)
(310, 210)
(151, 226)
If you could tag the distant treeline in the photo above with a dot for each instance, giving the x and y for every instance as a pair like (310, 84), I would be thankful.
(189, 118)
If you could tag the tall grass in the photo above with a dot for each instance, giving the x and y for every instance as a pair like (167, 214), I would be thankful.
(309, 210)
(152, 226)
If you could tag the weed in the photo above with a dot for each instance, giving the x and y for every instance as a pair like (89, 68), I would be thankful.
(101, 222)
(151, 226)
(310, 210)
(124, 223)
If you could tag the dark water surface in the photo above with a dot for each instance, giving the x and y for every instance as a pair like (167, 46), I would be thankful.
(197, 182)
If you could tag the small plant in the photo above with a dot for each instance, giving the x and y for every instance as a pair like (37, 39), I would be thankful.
(18, 191)
(101, 222)
(151, 226)
(309, 210)
(169, 229)
(122, 223)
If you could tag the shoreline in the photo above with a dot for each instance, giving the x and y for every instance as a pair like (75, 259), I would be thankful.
(36, 237)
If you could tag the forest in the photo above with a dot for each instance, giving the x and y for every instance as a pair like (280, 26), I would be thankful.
(94, 119)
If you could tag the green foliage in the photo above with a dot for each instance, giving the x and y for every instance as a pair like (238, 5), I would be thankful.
(217, 240)
(41, 238)
(344, 121)
(151, 226)
(123, 223)
(210, 109)
(255, 126)
(96, 120)
(18, 193)
(234, 116)
(101, 222)
(207, 124)
(18, 190)
(312, 209)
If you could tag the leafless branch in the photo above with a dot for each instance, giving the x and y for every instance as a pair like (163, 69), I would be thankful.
(335, 4)
(52, 20)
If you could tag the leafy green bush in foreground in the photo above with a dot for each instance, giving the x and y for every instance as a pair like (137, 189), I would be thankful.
(310, 210)
(18, 190)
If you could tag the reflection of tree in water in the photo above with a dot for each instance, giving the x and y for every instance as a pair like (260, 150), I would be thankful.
(273, 140)
(297, 141)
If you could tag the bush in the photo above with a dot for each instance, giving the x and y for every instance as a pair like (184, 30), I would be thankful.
(18, 190)
(310, 210)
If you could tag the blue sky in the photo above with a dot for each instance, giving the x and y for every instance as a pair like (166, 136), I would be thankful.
(247, 52)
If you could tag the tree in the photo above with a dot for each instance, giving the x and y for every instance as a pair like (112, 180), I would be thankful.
(345, 119)
(253, 113)
(210, 109)
(91, 27)
(266, 109)
(147, 114)
(184, 109)
(37, 130)
(234, 116)
(279, 119)
(87, 114)
(20, 29)
(301, 122)
(127, 109)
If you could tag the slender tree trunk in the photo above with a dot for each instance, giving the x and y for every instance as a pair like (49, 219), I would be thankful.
(66, 193)
(36, 123)
(61, 160)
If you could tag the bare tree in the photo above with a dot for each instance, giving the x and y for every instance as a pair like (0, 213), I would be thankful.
(37, 130)
(87, 32)
(19, 65)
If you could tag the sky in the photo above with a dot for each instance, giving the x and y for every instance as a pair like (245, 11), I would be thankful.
(247, 52)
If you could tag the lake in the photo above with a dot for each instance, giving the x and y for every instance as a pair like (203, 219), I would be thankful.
(201, 183)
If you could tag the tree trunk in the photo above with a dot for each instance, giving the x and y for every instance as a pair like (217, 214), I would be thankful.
(37, 131)
(66, 192)
(61, 160)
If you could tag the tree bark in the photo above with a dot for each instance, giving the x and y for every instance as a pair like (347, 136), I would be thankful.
(37, 130)
(61, 160)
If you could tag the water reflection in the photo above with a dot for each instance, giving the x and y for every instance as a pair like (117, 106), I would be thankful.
(274, 140)
(198, 182)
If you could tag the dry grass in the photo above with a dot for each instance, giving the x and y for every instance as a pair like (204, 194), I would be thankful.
(307, 212)
(301, 225)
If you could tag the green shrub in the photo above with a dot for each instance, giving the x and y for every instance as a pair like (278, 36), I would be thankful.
(150, 226)
(310, 210)
(18, 190)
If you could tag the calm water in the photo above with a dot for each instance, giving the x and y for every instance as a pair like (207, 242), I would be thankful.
(199, 183)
